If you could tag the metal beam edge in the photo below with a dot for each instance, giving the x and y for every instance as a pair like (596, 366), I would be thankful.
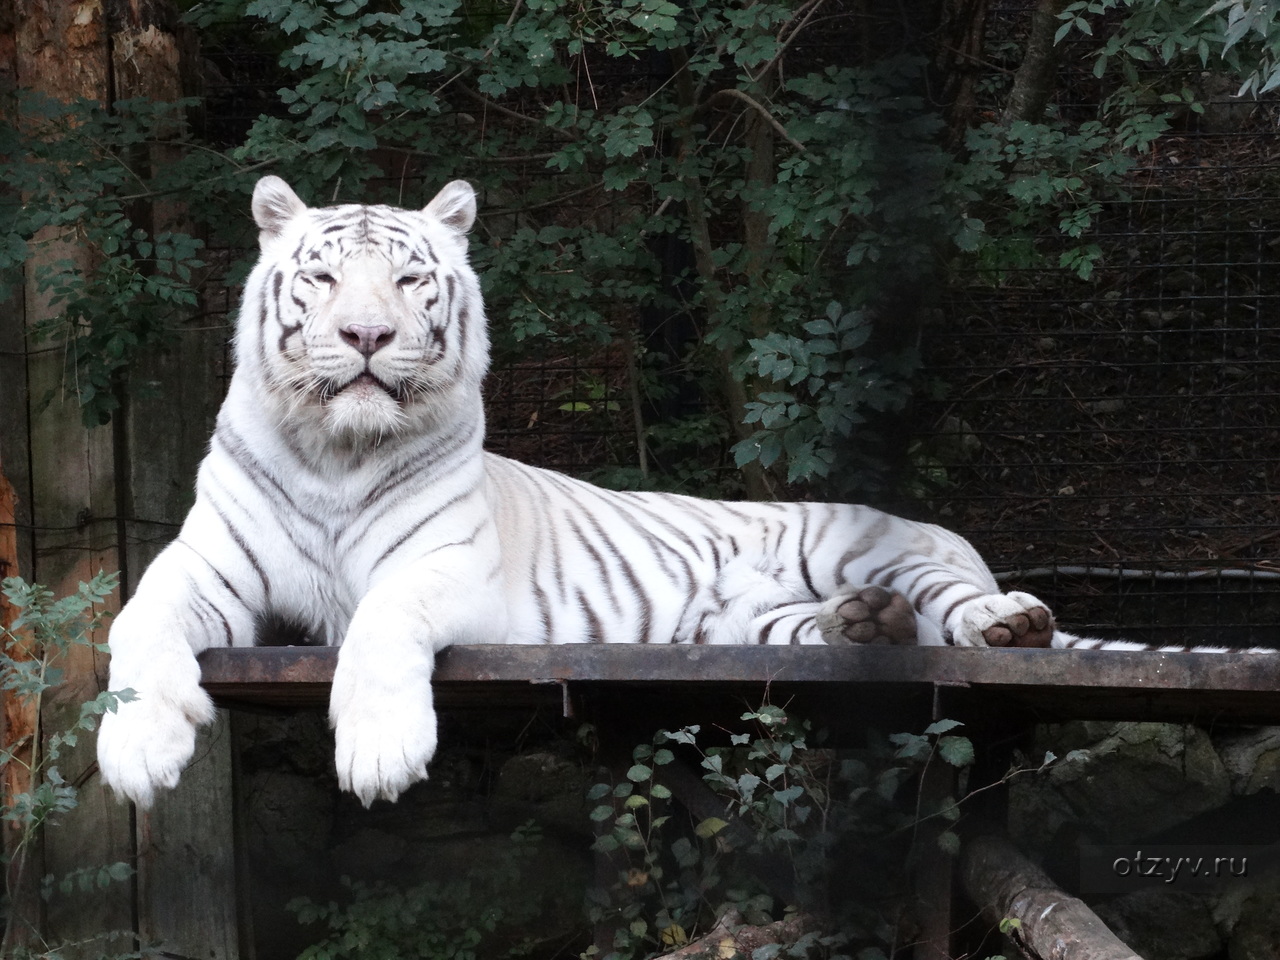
(228, 671)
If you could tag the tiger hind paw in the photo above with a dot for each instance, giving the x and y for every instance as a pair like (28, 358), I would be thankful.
(1004, 620)
(868, 615)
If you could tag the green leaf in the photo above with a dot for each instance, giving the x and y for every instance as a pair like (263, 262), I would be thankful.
(686, 735)
(957, 751)
(949, 843)
(911, 746)
(941, 726)
(605, 843)
(747, 784)
(785, 797)
(709, 827)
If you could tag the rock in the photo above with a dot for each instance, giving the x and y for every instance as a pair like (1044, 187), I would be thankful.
(1249, 915)
(1163, 924)
(1117, 781)
(545, 787)
(292, 818)
(299, 742)
(1251, 759)
(288, 822)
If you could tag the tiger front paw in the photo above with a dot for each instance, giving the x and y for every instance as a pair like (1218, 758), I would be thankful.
(147, 742)
(383, 742)
(1005, 620)
(868, 615)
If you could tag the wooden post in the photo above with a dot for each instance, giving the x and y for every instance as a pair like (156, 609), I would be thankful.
(17, 724)
(932, 875)
(186, 846)
(87, 490)
(60, 50)
(17, 718)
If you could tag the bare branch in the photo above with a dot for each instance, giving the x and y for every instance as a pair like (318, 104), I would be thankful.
(761, 109)
(810, 10)
(507, 111)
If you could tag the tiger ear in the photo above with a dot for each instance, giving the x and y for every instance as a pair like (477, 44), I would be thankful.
(274, 205)
(454, 206)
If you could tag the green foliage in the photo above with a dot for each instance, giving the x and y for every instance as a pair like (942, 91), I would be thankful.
(570, 255)
(734, 187)
(662, 166)
(1040, 185)
(1056, 171)
(790, 810)
(461, 918)
(46, 631)
(114, 287)
(828, 383)
(1241, 37)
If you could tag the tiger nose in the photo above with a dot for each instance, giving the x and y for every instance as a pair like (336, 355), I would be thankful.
(368, 340)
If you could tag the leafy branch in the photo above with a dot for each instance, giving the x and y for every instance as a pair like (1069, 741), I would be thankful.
(45, 632)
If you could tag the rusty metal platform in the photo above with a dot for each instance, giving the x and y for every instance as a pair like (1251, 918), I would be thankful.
(1039, 684)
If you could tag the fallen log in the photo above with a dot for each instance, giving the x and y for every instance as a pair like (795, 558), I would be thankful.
(1052, 924)
(731, 938)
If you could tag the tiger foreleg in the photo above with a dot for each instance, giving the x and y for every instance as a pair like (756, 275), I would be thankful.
(146, 742)
(381, 705)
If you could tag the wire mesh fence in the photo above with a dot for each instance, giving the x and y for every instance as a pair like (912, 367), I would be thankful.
(1111, 445)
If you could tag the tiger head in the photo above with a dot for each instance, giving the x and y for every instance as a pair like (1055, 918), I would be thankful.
(363, 321)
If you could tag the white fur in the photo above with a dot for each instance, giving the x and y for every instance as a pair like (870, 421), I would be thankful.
(346, 490)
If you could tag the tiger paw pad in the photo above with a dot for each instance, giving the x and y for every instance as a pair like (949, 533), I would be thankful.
(868, 615)
(1031, 628)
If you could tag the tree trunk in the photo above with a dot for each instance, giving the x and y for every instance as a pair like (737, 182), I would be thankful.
(1052, 924)
(1034, 81)
(61, 51)
(760, 250)
(957, 60)
(734, 393)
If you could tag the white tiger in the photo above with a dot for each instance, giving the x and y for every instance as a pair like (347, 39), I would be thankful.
(346, 492)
